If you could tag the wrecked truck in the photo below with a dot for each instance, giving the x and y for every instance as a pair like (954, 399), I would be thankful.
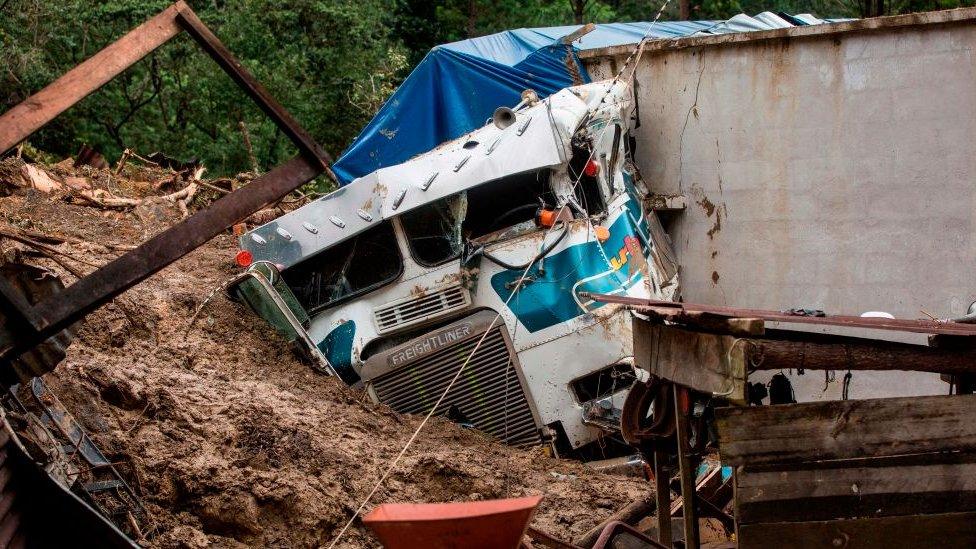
(390, 281)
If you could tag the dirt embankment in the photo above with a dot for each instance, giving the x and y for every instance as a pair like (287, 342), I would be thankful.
(229, 439)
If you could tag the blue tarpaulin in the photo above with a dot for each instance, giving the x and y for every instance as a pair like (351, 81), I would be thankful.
(457, 86)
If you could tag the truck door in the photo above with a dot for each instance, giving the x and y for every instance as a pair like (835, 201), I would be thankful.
(267, 294)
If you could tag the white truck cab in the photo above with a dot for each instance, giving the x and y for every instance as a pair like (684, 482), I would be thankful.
(392, 280)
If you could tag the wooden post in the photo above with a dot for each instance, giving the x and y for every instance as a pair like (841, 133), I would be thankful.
(662, 492)
(685, 465)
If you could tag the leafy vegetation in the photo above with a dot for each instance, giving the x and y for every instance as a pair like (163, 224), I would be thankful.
(330, 62)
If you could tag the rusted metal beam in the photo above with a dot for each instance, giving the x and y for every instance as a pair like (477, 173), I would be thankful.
(899, 325)
(32, 114)
(90, 292)
(216, 49)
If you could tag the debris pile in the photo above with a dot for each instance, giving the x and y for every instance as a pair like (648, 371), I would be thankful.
(229, 439)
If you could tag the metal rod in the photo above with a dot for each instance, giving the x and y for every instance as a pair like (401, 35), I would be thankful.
(902, 325)
(84, 296)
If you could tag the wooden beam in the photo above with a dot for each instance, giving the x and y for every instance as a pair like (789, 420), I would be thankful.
(687, 468)
(662, 497)
(946, 531)
(863, 490)
(578, 33)
(707, 322)
(29, 116)
(849, 353)
(846, 429)
(704, 362)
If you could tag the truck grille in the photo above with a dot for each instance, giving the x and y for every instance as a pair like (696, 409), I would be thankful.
(488, 394)
(416, 309)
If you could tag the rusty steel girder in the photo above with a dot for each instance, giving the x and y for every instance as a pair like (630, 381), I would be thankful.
(27, 325)
(670, 308)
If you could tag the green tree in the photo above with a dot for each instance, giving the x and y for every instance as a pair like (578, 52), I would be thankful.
(316, 57)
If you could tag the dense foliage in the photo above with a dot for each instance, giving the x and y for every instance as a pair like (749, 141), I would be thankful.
(330, 62)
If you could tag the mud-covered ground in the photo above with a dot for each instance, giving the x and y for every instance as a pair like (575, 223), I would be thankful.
(229, 439)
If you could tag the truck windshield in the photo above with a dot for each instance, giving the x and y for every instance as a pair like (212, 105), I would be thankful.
(356, 266)
(434, 230)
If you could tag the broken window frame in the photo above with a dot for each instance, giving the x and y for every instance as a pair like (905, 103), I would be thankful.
(458, 210)
(353, 241)
(519, 228)
(264, 277)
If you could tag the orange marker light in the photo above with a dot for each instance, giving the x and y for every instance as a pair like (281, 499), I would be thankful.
(243, 258)
(546, 218)
(602, 233)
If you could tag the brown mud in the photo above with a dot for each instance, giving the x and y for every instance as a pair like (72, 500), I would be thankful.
(230, 440)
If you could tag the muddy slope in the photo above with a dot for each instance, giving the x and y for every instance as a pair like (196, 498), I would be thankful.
(231, 440)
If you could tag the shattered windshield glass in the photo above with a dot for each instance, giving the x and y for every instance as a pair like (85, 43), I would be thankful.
(434, 230)
(358, 265)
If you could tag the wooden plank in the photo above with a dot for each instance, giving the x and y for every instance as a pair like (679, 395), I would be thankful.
(705, 362)
(945, 531)
(706, 322)
(846, 429)
(37, 110)
(865, 491)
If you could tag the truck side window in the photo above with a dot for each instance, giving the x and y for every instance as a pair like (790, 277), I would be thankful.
(588, 189)
(434, 230)
(507, 202)
(358, 265)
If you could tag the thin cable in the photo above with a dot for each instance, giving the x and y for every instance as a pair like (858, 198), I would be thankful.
(433, 409)
(491, 325)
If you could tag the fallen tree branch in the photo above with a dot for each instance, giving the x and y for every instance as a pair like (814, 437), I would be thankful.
(103, 199)
(206, 185)
(74, 272)
(45, 248)
(59, 239)
(181, 198)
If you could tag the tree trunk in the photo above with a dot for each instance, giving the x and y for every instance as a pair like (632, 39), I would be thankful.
(768, 354)
(872, 8)
(579, 9)
(685, 9)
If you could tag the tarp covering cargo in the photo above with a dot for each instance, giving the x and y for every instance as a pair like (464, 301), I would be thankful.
(457, 86)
